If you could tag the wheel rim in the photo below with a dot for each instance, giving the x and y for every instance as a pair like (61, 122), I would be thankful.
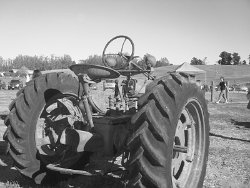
(188, 146)
(69, 115)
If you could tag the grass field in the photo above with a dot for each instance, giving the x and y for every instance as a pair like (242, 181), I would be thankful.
(229, 152)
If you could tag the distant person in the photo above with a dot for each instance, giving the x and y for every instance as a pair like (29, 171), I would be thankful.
(36, 73)
(117, 90)
(117, 94)
(223, 87)
(124, 88)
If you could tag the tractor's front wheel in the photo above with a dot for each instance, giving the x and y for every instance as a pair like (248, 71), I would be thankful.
(170, 138)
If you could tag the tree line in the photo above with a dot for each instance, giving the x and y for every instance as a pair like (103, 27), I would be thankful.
(62, 62)
(36, 62)
(227, 58)
(231, 59)
(97, 60)
(56, 62)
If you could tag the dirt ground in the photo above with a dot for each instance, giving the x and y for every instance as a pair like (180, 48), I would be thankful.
(229, 153)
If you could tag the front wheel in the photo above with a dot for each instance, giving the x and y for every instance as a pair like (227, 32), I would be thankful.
(170, 136)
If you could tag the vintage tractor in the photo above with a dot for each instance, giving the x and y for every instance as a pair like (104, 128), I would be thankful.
(161, 135)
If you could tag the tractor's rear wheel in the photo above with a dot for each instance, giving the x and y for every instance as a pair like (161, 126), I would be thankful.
(33, 144)
(170, 136)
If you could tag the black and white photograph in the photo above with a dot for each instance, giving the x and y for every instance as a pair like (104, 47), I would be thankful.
(125, 94)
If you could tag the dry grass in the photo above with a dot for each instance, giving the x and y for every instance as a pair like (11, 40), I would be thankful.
(234, 97)
(229, 151)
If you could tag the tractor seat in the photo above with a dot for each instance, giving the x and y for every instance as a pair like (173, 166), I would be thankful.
(95, 72)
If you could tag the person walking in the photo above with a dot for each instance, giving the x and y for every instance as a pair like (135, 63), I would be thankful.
(223, 88)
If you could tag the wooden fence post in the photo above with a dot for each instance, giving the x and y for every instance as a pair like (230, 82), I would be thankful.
(212, 91)
(227, 91)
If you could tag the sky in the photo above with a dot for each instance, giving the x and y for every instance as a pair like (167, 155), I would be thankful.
(176, 29)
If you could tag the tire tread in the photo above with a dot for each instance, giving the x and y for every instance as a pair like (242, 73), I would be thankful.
(150, 141)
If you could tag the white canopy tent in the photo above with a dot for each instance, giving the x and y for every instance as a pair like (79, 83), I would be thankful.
(190, 69)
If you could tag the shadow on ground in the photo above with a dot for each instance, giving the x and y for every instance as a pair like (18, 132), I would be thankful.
(241, 124)
(227, 137)
(10, 177)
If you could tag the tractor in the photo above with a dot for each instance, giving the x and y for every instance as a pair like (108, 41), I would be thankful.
(160, 132)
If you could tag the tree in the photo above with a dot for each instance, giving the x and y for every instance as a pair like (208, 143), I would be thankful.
(165, 60)
(236, 58)
(1, 60)
(1, 63)
(93, 60)
(196, 61)
(249, 59)
(150, 59)
(66, 61)
(225, 58)
(244, 62)
(41, 62)
(162, 62)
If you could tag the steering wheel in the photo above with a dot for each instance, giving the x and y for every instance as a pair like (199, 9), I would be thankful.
(124, 57)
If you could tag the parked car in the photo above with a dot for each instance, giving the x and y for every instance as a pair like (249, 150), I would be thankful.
(244, 88)
(2, 85)
(15, 84)
(108, 84)
(238, 87)
(230, 88)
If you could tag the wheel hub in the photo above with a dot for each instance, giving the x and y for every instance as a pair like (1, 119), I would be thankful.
(183, 149)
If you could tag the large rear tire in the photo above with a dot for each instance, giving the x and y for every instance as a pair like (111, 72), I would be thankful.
(170, 135)
(26, 120)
